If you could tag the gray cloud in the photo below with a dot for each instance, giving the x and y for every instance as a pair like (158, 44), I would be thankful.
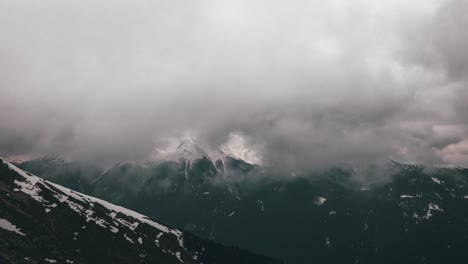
(308, 83)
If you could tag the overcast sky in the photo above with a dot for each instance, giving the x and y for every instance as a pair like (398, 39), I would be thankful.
(303, 82)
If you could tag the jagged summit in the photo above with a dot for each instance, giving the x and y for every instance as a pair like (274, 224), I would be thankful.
(189, 150)
(236, 147)
(185, 149)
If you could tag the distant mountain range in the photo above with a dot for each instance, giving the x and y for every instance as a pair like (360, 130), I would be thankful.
(416, 215)
(43, 222)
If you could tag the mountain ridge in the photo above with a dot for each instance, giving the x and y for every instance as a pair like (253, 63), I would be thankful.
(43, 221)
(417, 215)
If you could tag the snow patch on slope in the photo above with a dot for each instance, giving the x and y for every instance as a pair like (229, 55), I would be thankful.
(118, 209)
(435, 180)
(319, 200)
(430, 209)
(7, 225)
(31, 185)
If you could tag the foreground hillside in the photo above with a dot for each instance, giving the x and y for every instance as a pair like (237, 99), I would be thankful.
(42, 222)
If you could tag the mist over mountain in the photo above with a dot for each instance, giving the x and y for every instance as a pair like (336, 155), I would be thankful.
(412, 214)
(306, 131)
(306, 83)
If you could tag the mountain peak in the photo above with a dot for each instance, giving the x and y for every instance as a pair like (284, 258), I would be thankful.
(189, 150)
(184, 148)
(236, 147)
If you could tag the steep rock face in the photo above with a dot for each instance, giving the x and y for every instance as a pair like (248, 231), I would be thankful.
(43, 222)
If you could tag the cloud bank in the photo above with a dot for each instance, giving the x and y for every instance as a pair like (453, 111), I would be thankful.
(306, 83)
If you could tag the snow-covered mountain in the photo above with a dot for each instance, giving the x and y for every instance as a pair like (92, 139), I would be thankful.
(188, 149)
(236, 148)
(43, 222)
